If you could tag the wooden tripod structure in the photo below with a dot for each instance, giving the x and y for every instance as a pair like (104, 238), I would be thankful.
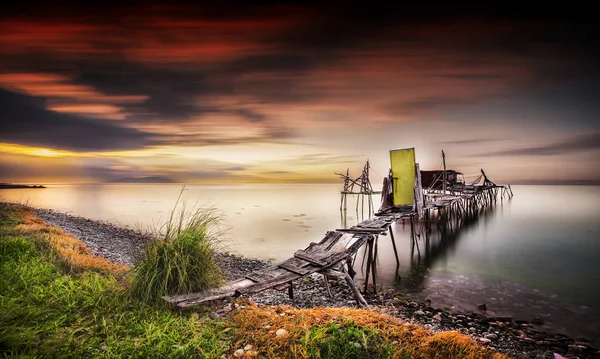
(360, 186)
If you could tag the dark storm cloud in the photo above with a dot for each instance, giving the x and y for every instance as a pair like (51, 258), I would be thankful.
(315, 36)
(24, 120)
(577, 144)
(271, 62)
(172, 93)
(279, 91)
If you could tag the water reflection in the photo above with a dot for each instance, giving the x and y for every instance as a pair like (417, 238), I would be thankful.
(434, 244)
(461, 265)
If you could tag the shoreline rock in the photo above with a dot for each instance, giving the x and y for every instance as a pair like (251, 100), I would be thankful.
(516, 338)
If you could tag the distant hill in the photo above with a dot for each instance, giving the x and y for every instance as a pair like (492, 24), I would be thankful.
(146, 179)
(15, 186)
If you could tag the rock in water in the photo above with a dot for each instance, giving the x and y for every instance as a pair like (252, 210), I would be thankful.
(482, 306)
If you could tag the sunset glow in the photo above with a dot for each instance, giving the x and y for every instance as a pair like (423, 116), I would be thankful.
(294, 93)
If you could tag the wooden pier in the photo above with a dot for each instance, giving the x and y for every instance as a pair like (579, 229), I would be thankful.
(450, 206)
(327, 257)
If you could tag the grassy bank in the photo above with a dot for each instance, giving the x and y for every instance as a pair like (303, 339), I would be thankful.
(57, 300)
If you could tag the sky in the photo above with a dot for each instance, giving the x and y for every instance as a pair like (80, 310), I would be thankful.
(294, 92)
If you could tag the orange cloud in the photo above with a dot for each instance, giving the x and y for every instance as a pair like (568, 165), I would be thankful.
(52, 85)
(86, 108)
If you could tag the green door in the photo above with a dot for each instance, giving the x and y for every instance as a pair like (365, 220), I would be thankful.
(403, 175)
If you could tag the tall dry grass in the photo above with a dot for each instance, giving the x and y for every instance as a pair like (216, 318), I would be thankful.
(179, 257)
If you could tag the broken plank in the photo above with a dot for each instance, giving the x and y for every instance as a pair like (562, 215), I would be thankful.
(341, 243)
(330, 236)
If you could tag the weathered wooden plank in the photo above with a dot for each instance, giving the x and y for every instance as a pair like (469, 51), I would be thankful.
(293, 261)
(259, 287)
(330, 237)
(360, 241)
(293, 268)
(327, 235)
(230, 287)
(341, 243)
(310, 257)
(313, 246)
(259, 277)
(361, 230)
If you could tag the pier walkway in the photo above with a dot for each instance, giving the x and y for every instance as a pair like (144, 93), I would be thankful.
(333, 256)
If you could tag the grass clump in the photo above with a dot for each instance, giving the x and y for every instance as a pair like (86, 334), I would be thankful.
(179, 258)
(52, 310)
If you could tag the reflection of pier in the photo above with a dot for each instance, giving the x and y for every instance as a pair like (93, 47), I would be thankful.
(436, 243)
(450, 205)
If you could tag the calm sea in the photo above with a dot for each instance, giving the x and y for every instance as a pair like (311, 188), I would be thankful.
(535, 255)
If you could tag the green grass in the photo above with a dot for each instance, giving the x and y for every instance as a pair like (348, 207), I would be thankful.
(180, 258)
(45, 312)
(346, 342)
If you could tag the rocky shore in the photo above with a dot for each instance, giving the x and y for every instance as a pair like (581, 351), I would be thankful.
(517, 338)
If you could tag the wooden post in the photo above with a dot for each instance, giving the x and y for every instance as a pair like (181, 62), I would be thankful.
(444, 160)
(350, 264)
(291, 291)
(374, 263)
(412, 233)
(394, 246)
(327, 288)
(369, 262)
(418, 191)
(359, 298)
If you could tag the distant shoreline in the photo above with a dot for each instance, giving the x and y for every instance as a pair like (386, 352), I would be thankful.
(17, 186)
